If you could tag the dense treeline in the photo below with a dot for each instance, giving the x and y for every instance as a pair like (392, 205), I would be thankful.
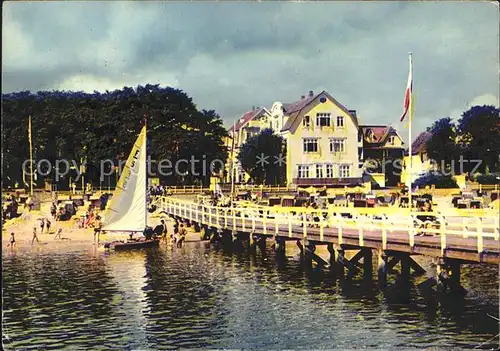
(475, 139)
(96, 127)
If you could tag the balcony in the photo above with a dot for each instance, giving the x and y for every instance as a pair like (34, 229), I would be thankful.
(327, 181)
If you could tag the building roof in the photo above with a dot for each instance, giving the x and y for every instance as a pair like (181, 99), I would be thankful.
(380, 133)
(247, 117)
(294, 110)
(420, 143)
(297, 105)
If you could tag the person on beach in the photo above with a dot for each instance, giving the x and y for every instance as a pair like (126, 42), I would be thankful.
(47, 224)
(42, 225)
(53, 210)
(35, 237)
(182, 235)
(97, 227)
(164, 232)
(58, 234)
(12, 240)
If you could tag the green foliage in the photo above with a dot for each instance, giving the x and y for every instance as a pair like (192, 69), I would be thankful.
(480, 136)
(493, 178)
(439, 180)
(269, 145)
(96, 127)
(442, 147)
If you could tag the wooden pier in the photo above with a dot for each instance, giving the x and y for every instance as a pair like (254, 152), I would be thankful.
(392, 234)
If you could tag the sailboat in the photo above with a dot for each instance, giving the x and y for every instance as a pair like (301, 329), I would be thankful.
(127, 211)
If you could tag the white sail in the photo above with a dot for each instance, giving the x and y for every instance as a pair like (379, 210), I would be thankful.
(127, 210)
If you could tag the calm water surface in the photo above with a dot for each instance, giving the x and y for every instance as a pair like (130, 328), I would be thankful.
(201, 297)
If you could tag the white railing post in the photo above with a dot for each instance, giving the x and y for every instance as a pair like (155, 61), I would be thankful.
(242, 216)
(384, 235)
(264, 221)
(253, 221)
(496, 229)
(359, 223)
(443, 235)
(321, 226)
(225, 217)
(276, 222)
(339, 227)
(411, 231)
(234, 217)
(304, 224)
(479, 235)
(217, 215)
(203, 221)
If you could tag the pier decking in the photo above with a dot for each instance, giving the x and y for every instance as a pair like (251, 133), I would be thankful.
(465, 235)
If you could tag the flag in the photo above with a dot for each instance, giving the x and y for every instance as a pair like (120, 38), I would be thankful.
(408, 94)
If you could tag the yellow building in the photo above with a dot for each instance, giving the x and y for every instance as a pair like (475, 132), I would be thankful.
(322, 141)
(325, 144)
(421, 163)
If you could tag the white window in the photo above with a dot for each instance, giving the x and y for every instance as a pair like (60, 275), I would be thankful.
(319, 171)
(303, 171)
(345, 171)
(329, 171)
(337, 145)
(392, 140)
(340, 121)
(323, 119)
(306, 121)
(310, 145)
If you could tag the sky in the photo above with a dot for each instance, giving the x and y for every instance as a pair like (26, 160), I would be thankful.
(230, 56)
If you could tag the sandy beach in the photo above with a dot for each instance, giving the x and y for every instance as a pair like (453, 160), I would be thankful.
(72, 236)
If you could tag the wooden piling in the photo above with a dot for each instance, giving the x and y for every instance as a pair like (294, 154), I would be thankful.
(367, 263)
(405, 267)
(382, 268)
(332, 259)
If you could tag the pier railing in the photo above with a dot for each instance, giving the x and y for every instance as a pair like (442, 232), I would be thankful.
(464, 233)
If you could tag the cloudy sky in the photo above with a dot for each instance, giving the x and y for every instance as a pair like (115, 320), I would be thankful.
(230, 56)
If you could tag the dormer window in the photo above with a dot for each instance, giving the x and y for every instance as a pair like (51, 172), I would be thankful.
(392, 140)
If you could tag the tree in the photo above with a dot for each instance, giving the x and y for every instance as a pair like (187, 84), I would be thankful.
(442, 147)
(96, 127)
(263, 157)
(479, 128)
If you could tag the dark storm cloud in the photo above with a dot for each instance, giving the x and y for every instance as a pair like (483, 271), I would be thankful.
(230, 56)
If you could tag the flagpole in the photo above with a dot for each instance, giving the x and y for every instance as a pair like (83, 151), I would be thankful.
(409, 135)
(31, 157)
(232, 161)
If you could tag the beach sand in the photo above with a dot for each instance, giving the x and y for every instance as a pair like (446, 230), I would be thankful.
(73, 237)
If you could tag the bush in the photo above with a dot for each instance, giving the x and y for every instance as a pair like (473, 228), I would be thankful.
(439, 180)
(492, 178)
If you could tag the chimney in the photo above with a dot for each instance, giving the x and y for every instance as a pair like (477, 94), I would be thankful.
(253, 108)
(353, 113)
(302, 97)
(311, 94)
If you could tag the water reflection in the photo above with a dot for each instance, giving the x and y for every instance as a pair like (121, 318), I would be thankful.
(203, 297)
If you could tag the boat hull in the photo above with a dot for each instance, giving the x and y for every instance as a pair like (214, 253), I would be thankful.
(120, 246)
